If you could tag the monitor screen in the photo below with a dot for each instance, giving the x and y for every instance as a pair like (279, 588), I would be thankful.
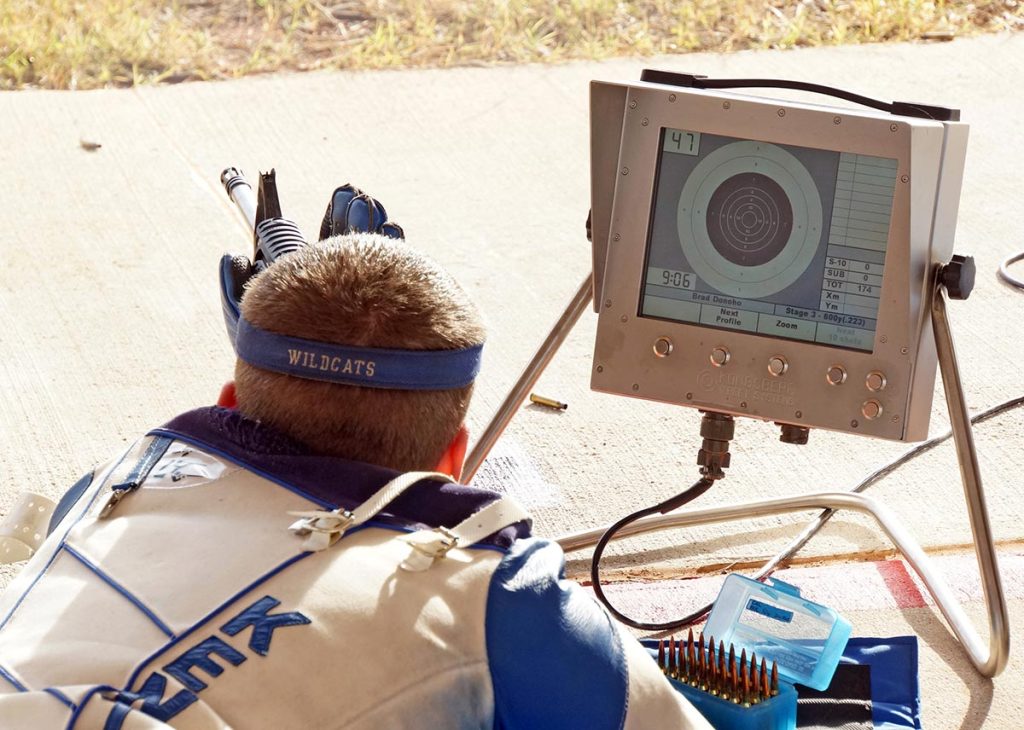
(770, 239)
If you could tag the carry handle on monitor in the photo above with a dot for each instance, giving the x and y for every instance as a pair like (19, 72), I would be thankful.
(901, 108)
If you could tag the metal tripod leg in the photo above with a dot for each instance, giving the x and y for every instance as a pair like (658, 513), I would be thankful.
(989, 660)
(528, 378)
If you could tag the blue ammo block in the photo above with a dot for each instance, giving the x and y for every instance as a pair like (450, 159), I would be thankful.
(803, 639)
(775, 713)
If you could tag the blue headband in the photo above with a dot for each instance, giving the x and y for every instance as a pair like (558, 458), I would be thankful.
(366, 366)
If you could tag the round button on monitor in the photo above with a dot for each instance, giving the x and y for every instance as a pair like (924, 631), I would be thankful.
(777, 366)
(836, 375)
(875, 381)
(719, 356)
(871, 409)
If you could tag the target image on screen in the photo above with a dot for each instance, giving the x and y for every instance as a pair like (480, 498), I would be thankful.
(770, 239)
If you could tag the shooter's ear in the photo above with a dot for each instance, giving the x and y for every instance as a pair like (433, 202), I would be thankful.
(454, 456)
(227, 397)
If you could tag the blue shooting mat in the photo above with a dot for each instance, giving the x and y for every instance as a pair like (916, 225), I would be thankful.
(895, 694)
(875, 686)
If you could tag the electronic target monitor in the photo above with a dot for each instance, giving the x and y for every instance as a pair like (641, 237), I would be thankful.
(768, 258)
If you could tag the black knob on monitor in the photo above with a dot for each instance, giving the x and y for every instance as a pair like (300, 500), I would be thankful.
(958, 276)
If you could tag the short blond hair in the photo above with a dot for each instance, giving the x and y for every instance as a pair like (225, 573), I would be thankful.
(367, 291)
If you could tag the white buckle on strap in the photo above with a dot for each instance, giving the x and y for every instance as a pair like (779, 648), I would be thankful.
(110, 503)
(427, 546)
(321, 529)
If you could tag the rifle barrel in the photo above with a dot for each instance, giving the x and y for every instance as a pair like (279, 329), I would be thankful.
(241, 194)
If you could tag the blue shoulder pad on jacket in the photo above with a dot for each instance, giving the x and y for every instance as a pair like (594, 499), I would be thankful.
(68, 500)
(556, 659)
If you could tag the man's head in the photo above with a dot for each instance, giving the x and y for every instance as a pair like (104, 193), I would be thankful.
(365, 291)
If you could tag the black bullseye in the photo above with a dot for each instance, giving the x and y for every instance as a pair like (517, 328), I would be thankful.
(749, 219)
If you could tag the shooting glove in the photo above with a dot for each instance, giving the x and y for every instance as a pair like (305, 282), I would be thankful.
(353, 211)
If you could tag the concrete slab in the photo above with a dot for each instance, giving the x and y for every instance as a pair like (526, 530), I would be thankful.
(111, 322)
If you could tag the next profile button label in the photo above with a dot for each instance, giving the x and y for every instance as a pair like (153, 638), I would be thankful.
(794, 329)
(730, 317)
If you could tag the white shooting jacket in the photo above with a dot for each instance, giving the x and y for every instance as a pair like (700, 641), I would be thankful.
(214, 594)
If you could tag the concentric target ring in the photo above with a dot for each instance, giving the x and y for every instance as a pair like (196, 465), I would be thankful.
(749, 219)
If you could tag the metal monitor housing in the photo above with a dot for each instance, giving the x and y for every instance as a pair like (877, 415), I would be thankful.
(681, 363)
(912, 336)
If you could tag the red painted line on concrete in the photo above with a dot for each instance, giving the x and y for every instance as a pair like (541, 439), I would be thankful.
(902, 586)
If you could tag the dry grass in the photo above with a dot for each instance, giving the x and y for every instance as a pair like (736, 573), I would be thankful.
(91, 43)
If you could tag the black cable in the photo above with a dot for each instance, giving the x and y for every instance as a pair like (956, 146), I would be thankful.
(1004, 270)
(595, 564)
(901, 108)
(790, 550)
(867, 101)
